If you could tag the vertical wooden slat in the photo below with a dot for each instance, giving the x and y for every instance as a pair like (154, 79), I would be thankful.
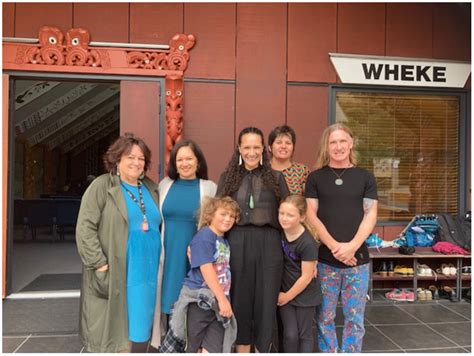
(5, 79)
(155, 22)
(361, 28)
(214, 53)
(106, 22)
(307, 115)
(409, 30)
(140, 115)
(29, 17)
(261, 65)
(452, 31)
(209, 120)
(311, 36)
(8, 20)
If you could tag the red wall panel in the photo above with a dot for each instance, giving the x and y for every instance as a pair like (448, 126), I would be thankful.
(311, 36)
(390, 232)
(155, 22)
(141, 101)
(307, 115)
(378, 230)
(213, 56)
(452, 31)
(30, 17)
(8, 25)
(361, 29)
(107, 22)
(261, 65)
(409, 30)
(209, 120)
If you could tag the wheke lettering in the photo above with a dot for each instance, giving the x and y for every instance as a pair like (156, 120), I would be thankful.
(404, 72)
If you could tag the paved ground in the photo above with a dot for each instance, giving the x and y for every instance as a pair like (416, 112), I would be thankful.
(51, 325)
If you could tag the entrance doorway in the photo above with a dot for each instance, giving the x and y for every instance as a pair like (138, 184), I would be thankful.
(59, 128)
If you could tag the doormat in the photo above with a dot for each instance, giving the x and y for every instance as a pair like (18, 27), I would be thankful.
(46, 282)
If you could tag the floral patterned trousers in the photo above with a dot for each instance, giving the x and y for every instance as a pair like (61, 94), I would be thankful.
(352, 284)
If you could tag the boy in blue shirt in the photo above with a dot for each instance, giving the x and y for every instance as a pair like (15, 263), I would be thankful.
(210, 255)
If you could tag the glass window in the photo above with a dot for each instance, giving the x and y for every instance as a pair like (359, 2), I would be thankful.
(411, 144)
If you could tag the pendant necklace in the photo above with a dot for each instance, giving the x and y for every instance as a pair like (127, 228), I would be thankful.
(338, 180)
(251, 200)
(141, 204)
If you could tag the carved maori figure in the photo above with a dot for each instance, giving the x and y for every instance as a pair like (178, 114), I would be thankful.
(176, 59)
(50, 50)
(53, 51)
(77, 49)
(180, 45)
(174, 113)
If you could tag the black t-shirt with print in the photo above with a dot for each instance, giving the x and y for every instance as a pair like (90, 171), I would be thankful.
(340, 207)
(304, 248)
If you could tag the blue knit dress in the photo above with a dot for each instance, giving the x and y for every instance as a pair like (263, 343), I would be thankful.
(179, 213)
(143, 256)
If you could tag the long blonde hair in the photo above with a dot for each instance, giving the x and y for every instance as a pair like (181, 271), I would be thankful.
(299, 202)
(323, 154)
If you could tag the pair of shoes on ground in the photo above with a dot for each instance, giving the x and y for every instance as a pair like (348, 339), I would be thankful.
(424, 271)
(449, 293)
(424, 294)
(386, 269)
(403, 270)
(400, 295)
(447, 269)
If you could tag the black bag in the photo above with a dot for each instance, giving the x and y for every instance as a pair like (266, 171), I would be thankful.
(456, 230)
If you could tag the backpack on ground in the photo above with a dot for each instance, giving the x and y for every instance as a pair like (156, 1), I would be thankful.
(456, 230)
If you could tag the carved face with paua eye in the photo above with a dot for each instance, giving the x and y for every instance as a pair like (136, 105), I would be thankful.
(50, 36)
(77, 38)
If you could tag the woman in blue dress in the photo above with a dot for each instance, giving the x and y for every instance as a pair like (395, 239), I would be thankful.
(119, 241)
(180, 197)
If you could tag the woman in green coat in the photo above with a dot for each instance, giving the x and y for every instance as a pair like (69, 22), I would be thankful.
(120, 246)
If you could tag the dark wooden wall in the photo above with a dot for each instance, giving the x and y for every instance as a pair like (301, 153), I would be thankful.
(261, 64)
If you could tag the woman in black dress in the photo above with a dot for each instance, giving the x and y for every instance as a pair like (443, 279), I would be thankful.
(256, 258)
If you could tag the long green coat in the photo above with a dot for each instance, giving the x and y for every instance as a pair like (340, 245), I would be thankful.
(101, 236)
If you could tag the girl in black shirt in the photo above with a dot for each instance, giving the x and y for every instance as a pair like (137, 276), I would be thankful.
(300, 290)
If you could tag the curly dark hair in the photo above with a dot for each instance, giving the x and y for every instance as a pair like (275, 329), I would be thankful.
(234, 173)
(201, 171)
(122, 146)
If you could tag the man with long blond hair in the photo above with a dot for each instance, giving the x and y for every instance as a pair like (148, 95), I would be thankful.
(342, 208)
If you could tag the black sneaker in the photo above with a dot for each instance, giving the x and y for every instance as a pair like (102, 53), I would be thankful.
(383, 270)
(390, 268)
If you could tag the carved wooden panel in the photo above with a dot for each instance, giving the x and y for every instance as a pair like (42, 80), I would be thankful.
(71, 52)
(174, 113)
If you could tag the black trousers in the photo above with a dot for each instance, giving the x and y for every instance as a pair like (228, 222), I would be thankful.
(297, 328)
(256, 262)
